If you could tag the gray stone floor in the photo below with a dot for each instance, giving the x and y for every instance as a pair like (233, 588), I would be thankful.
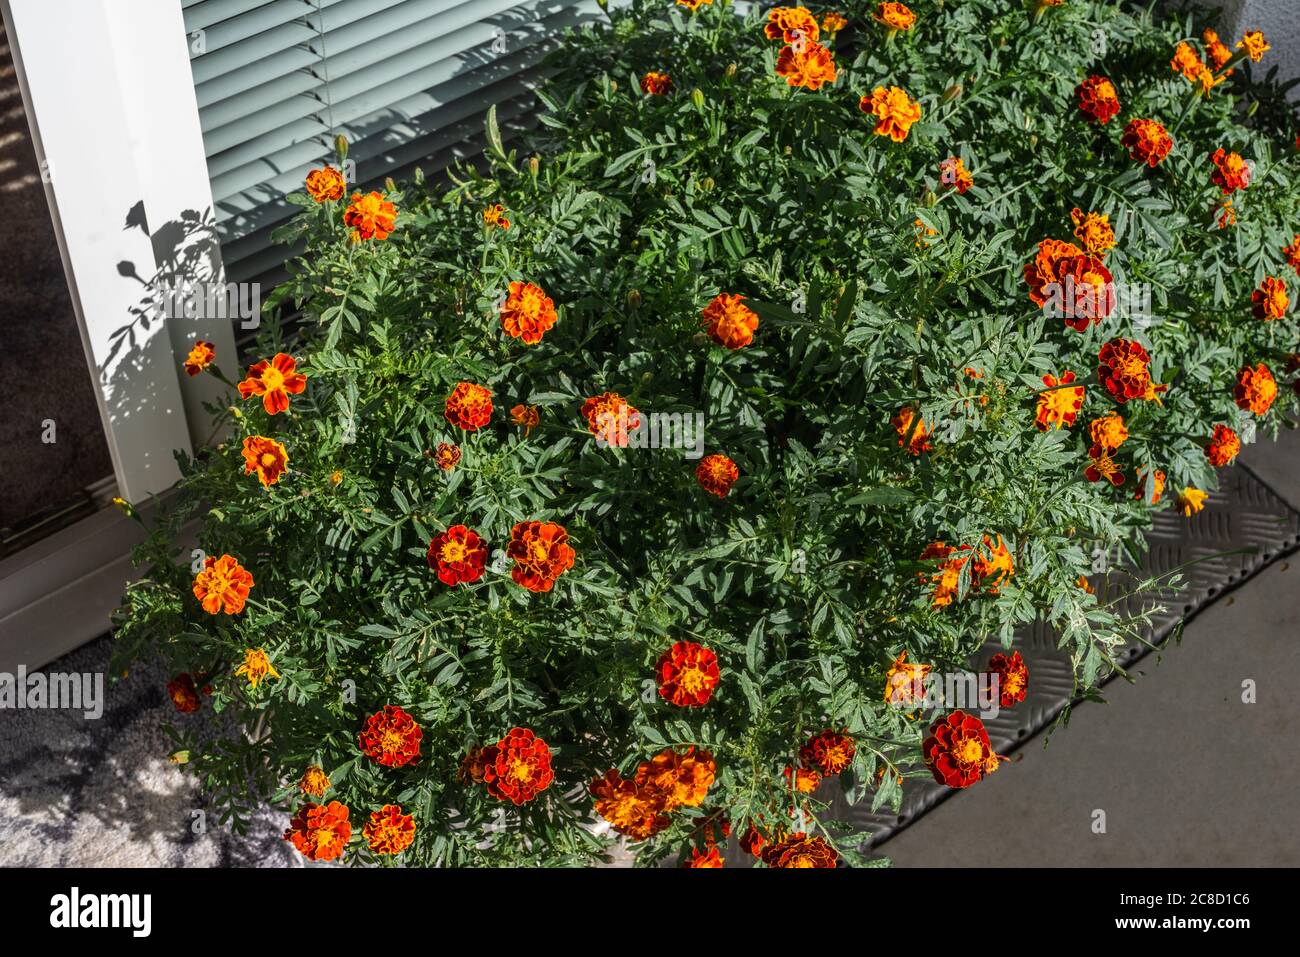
(1186, 773)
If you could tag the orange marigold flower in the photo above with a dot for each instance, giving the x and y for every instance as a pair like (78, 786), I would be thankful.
(469, 406)
(923, 232)
(729, 322)
(1223, 447)
(326, 185)
(201, 356)
(905, 682)
(495, 215)
(391, 737)
(1207, 81)
(526, 416)
(716, 474)
(1109, 431)
(808, 65)
(833, 23)
(711, 858)
(917, 441)
(1191, 501)
(1227, 214)
(790, 25)
(473, 767)
(528, 313)
(1094, 231)
(447, 456)
(1102, 465)
(829, 752)
(687, 674)
(1216, 50)
(953, 172)
(896, 16)
(683, 779)
(1231, 172)
(1058, 407)
(256, 667)
(632, 809)
(957, 751)
(610, 418)
(1074, 284)
(222, 585)
(993, 565)
(266, 458)
(799, 850)
(1083, 582)
(1270, 299)
(948, 576)
(1013, 677)
(803, 780)
(320, 833)
(1187, 61)
(1292, 254)
(894, 110)
(1255, 45)
(1042, 272)
(1146, 141)
(183, 694)
(389, 831)
(541, 553)
(274, 381)
(693, 5)
(1157, 486)
(1124, 369)
(336, 477)
(1097, 99)
(1255, 389)
(457, 555)
(370, 216)
(655, 83)
(315, 782)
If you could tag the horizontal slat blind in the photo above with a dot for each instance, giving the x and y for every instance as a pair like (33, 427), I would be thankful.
(407, 81)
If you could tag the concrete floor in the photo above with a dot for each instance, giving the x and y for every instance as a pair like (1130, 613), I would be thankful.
(1186, 773)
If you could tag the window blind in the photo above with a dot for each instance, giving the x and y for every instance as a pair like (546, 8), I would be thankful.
(406, 81)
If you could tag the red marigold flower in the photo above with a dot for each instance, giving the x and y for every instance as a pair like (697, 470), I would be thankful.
(710, 858)
(803, 780)
(469, 406)
(799, 850)
(1058, 407)
(256, 667)
(1013, 677)
(952, 172)
(829, 752)
(1146, 141)
(896, 16)
(473, 767)
(1124, 369)
(610, 418)
(315, 782)
(274, 381)
(1076, 285)
(1255, 389)
(541, 553)
(993, 566)
(632, 809)
(753, 841)
(958, 752)
(687, 674)
(716, 474)
(520, 768)
(1043, 271)
(201, 356)
(495, 215)
(223, 585)
(1094, 231)
(389, 831)
(528, 313)
(683, 779)
(1231, 172)
(790, 25)
(1158, 486)
(894, 110)
(326, 185)
(917, 441)
(320, 833)
(391, 737)
(457, 555)
(1097, 99)
(183, 694)
(1102, 465)
(729, 322)
(1292, 254)
(370, 216)
(447, 456)
(1255, 45)
(808, 65)
(1270, 299)
(1223, 447)
(525, 416)
(905, 682)
(656, 84)
(266, 458)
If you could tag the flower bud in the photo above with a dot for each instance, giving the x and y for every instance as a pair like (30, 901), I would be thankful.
(534, 164)
(697, 97)
(952, 93)
(707, 183)
(731, 71)
(418, 176)
(389, 184)
(928, 198)
(341, 147)
(634, 298)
